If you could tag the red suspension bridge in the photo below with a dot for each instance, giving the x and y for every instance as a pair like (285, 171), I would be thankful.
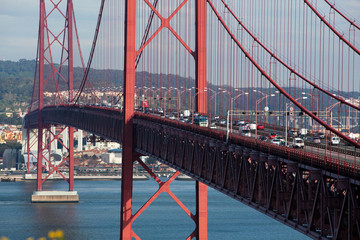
(177, 80)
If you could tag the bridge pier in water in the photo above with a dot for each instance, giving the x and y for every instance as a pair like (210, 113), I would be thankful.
(46, 137)
(49, 169)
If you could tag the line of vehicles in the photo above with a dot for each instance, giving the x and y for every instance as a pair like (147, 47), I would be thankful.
(296, 138)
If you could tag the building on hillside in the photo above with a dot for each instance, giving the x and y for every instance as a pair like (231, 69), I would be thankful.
(9, 114)
(112, 156)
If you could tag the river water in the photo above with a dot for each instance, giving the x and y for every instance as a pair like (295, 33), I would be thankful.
(97, 215)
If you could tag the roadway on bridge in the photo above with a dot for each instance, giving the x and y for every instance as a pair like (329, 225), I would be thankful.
(331, 151)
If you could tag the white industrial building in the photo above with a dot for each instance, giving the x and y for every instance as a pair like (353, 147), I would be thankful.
(113, 156)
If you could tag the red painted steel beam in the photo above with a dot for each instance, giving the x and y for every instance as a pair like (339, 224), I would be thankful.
(201, 210)
(200, 56)
(28, 150)
(340, 36)
(353, 22)
(41, 93)
(70, 49)
(127, 137)
(71, 88)
(165, 23)
(201, 105)
(71, 159)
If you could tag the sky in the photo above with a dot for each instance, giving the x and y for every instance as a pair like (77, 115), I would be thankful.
(19, 20)
(19, 24)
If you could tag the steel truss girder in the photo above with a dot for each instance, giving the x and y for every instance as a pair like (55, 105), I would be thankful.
(293, 190)
(48, 138)
(311, 201)
(45, 55)
(102, 122)
(107, 123)
(164, 186)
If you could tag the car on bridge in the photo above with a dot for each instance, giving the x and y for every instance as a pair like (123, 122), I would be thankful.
(246, 131)
(276, 141)
(243, 124)
(281, 138)
(222, 121)
(316, 140)
(273, 135)
(182, 119)
(334, 141)
(202, 121)
(262, 138)
(320, 135)
(236, 123)
(298, 143)
(252, 126)
(160, 111)
(260, 127)
(302, 132)
(212, 123)
(292, 133)
(283, 143)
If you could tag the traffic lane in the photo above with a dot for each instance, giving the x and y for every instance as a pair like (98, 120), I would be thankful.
(333, 155)
(320, 149)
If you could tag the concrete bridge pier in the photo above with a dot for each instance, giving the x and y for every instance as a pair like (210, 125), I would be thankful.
(54, 197)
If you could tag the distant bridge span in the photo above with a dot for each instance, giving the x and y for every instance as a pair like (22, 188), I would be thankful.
(284, 183)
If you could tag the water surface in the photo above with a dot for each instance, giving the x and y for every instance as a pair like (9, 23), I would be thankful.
(97, 215)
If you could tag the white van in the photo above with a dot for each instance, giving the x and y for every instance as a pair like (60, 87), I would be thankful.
(253, 126)
(245, 131)
(298, 143)
(335, 141)
(276, 141)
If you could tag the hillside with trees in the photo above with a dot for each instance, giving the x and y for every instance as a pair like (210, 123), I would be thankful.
(16, 80)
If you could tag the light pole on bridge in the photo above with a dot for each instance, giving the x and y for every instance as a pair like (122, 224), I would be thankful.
(265, 97)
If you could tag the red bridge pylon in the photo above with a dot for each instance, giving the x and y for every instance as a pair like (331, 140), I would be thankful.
(50, 76)
(131, 54)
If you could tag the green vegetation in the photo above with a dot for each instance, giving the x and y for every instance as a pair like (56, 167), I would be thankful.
(16, 82)
(14, 120)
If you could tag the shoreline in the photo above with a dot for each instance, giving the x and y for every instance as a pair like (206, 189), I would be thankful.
(33, 177)
(57, 177)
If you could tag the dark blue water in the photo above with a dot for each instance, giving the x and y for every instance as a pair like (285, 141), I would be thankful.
(97, 215)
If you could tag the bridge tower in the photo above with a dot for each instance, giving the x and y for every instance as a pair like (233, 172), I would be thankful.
(200, 107)
(52, 41)
(129, 156)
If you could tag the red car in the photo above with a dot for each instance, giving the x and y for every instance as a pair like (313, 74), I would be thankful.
(273, 135)
(260, 127)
